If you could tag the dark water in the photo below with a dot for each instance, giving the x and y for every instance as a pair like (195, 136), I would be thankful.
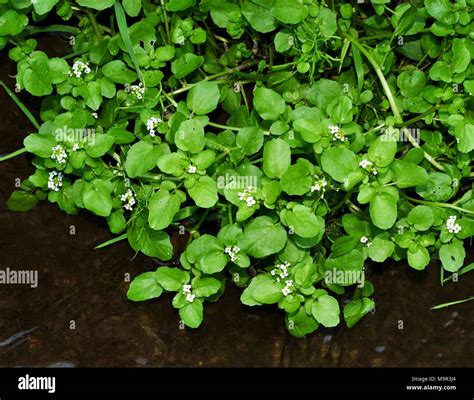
(77, 283)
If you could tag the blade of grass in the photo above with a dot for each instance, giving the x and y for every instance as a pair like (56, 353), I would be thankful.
(31, 30)
(111, 241)
(22, 107)
(462, 271)
(452, 303)
(123, 29)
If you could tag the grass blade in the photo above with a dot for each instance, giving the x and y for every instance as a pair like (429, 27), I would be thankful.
(452, 303)
(22, 107)
(462, 271)
(111, 241)
(123, 29)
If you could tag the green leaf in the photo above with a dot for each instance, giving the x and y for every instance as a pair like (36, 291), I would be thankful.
(44, 6)
(12, 23)
(350, 265)
(461, 56)
(40, 145)
(263, 237)
(298, 178)
(141, 158)
(355, 311)
(100, 146)
(382, 151)
(437, 188)
(250, 140)
(144, 287)
(132, 7)
(326, 311)
(96, 196)
(383, 210)
(409, 174)
(411, 82)
(192, 314)
(267, 292)
(304, 222)
(203, 98)
(179, 5)
(452, 255)
(162, 208)
(380, 249)
(21, 201)
(150, 242)
(419, 258)
(35, 78)
(339, 163)
(96, 4)
(421, 217)
(300, 324)
(206, 287)
(190, 136)
(204, 192)
(258, 16)
(172, 279)
(340, 110)
(116, 71)
(290, 11)
(276, 158)
(268, 103)
(186, 64)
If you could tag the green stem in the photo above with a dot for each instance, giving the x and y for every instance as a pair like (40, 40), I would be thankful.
(111, 241)
(439, 204)
(165, 17)
(391, 98)
(196, 227)
(421, 116)
(95, 26)
(452, 303)
(14, 154)
(225, 127)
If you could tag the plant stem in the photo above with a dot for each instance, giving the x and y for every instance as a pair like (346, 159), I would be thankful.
(421, 116)
(390, 97)
(165, 17)
(95, 26)
(452, 303)
(225, 127)
(439, 204)
(14, 154)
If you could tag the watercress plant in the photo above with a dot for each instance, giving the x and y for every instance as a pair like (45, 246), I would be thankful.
(293, 144)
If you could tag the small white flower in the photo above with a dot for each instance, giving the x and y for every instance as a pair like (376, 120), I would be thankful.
(59, 154)
(337, 133)
(192, 169)
(288, 287)
(364, 239)
(152, 124)
(128, 199)
(319, 184)
(281, 271)
(368, 166)
(452, 225)
(78, 68)
(95, 115)
(136, 90)
(247, 197)
(186, 289)
(232, 252)
(55, 181)
(190, 297)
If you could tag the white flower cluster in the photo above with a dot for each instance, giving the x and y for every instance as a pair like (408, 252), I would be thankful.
(192, 169)
(288, 288)
(232, 252)
(368, 166)
(365, 240)
(78, 68)
(452, 225)
(337, 134)
(190, 296)
(281, 271)
(59, 154)
(152, 124)
(247, 196)
(319, 184)
(136, 90)
(129, 199)
(55, 181)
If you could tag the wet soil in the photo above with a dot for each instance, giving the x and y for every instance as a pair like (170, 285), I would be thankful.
(82, 318)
